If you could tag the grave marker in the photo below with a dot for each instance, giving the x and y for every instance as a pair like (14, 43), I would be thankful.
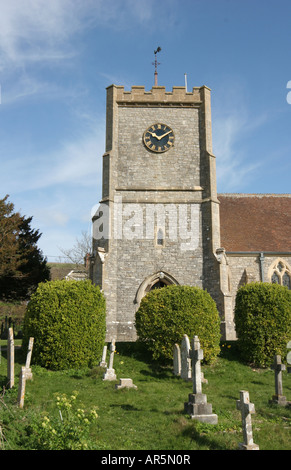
(278, 367)
(125, 383)
(289, 357)
(28, 359)
(246, 408)
(110, 372)
(10, 358)
(197, 406)
(176, 359)
(21, 387)
(185, 359)
(103, 362)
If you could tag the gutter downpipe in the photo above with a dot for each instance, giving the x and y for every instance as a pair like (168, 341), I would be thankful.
(262, 260)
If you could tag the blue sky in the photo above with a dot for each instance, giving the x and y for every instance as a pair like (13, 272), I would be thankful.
(58, 56)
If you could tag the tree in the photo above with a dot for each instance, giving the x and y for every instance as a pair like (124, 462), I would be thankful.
(67, 320)
(22, 265)
(262, 321)
(78, 252)
(166, 314)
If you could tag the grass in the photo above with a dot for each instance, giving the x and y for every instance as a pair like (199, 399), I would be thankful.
(152, 417)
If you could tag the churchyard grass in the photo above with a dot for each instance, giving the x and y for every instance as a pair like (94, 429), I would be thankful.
(151, 417)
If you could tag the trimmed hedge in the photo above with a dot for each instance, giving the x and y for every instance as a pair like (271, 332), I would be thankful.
(263, 322)
(166, 314)
(67, 321)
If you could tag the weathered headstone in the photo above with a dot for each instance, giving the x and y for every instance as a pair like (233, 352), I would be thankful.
(278, 367)
(110, 372)
(246, 408)
(21, 387)
(185, 358)
(176, 359)
(103, 362)
(125, 383)
(10, 358)
(289, 357)
(28, 359)
(197, 406)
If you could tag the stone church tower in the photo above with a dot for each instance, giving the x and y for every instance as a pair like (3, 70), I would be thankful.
(158, 220)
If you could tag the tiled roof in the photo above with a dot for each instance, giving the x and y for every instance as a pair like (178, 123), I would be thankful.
(255, 222)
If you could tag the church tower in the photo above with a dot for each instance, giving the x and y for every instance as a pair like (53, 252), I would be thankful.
(158, 220)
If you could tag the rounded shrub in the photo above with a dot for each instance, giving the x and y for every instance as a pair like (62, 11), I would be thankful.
(263, 321)
(67, 321)
(166, 314)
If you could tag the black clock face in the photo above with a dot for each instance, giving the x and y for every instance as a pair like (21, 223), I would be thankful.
(159, 138)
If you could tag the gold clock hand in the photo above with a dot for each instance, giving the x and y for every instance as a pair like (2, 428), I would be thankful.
(159, 137)
(164, 135)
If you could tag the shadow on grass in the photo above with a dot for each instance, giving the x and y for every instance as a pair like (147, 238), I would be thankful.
(201, 438)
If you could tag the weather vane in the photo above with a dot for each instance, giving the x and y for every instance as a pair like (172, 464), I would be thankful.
(156, 63)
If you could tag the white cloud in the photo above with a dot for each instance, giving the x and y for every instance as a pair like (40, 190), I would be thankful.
(232, 127)
(40, 30)
(72, 163)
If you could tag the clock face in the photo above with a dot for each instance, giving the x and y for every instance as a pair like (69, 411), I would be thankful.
(159, 138)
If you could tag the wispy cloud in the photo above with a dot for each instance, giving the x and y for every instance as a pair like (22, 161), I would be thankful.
(41, 30)
(232, 127)
(76, 162)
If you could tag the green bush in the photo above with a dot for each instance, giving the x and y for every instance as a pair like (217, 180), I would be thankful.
(166, 314)
(67, 321)
(263, 321)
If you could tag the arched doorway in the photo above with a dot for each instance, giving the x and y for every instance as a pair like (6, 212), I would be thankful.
(155, 281)
(158, 285)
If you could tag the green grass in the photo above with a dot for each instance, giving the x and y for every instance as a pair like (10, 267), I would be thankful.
(152, 417)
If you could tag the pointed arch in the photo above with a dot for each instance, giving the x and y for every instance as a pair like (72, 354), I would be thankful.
(280, 273)
(164, 279)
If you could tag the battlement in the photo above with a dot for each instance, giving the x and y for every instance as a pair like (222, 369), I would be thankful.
(158, 95)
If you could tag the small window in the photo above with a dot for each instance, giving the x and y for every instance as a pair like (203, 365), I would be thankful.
(160, 237)
(281, 274)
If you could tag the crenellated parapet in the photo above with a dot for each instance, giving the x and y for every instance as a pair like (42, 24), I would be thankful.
(158, 96)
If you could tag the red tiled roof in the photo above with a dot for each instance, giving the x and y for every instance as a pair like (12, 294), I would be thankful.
(255, 222)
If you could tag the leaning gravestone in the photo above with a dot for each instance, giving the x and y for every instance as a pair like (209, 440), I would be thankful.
(28, 359)
(176, 360)
(246, 408)
(10, 358)
(289, 357)
(21, 387)
(103, 362)
(197, 405)
(278, 367)
(110, 372)
(185, 359)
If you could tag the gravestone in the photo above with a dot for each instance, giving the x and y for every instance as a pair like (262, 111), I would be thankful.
(125, 383)
(28, 359)
(278, 367)
(10, 358)
(103, 362)
(185, 358)
(246, 408)
(176, 360)
(110, 372)
(197, 406)
(289, 357)
(21, 387)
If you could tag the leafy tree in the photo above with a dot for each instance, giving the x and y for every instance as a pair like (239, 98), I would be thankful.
(22, 265)
(67, 320)
(166, 314)
(263, 321)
